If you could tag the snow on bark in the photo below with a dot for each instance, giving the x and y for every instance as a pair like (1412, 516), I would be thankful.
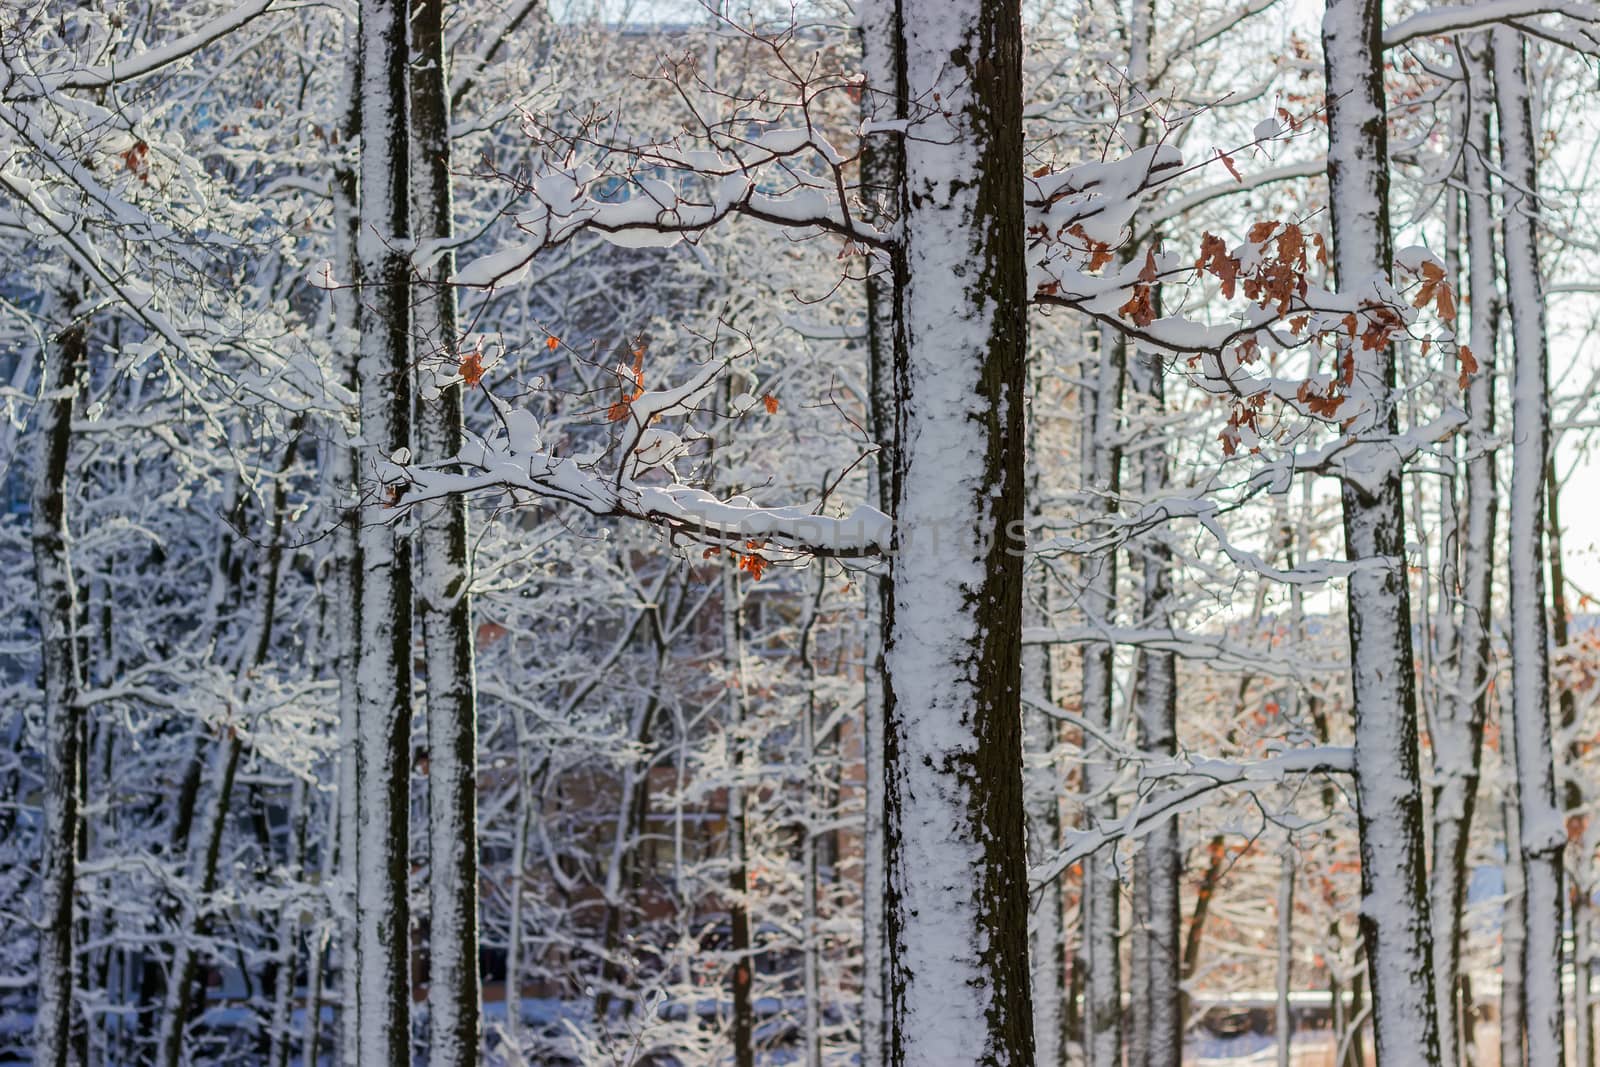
(1043, 780)
(61, 800)
(1394, 903)
(1513, 932)
(1100, 911)
(741, 975)
(956, 905)
(1284, 1023)
(1158, 867)
(340, 471)
(882, 167)
(1541, 821)
(383, 750)
(1457, 733)
(454, 1013)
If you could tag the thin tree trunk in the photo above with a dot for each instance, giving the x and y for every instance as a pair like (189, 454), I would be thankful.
(1395, 921)
(519, 868)
(311, 1025)
(1285, 1020)
(1580, 880)
(1102, 898)
(58, 613)
(956, 904)
(1513, 935)
(1458, 733)
(882, 172)
(632, 808)
(383, 744)
(1043, 782)
(342, 466)
(288, 932)
(741, 976)
(1543, 828)
(454, 995)
(811, 945)
(1158, 866)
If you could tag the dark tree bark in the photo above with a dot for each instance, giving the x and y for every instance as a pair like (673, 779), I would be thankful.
(383, 741)
(58, 613)
(454, 995)
(956, 904)
(882, 172)
(1395, 922)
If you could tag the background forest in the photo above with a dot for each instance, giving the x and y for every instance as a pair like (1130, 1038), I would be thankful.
(908, 532)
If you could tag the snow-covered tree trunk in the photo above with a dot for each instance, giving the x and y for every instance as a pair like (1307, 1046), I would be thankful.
(1043, 779)
(810, 817)
(383, 761)
(956, 903)
(882, 168)
(65, 363)
(1158, 866)
(1458, 731)
(1156, 1038)
(1580, 874)
(288, 933)
(1284, 1023)
(523, 825)
(742, 975)
(345, 580)
(1394, 902)
(1100, 911)
(1513, 933)
(1542, 824)
(454, 1034)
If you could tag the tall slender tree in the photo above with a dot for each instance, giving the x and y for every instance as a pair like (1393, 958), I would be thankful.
(1541, 822)
(1458, 729)
(383, 371)
(65, 366)
(1394, 909)
(454, 1015)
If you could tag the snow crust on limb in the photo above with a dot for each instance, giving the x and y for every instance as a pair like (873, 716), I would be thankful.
(1156, 807)
(513, 457)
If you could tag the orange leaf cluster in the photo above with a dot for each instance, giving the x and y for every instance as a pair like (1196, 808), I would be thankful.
(770, 402)
(1469, 365)
(1325, 403)
(136, 160)
(1139, 308)
(1382, 322)
(753, 565)
(1279, 275)
(1436, 291)
(619, 410)
(1099, 251)
(1246, 413)
(1214, 259)
(472, 367)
